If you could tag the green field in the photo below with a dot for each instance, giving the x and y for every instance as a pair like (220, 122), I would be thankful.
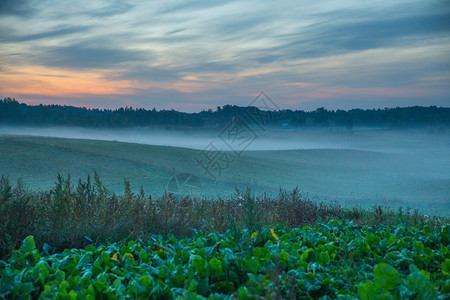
(350, 177)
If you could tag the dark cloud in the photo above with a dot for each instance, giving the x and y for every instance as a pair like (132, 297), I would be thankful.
(8, 36)
(230, 28)
(173, 39)
(176, 31)
(337, 37)
(21, 8)
(192, 5)
(83, 56)
(378, 33)
(267, 59)
(114, 8)
(147, 73)
(212, 67)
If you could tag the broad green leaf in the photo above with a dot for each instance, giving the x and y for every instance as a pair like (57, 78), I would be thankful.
(28, 244)
(309, 255)
(422, 287)
(446, 266)
(324, 258)
(199, 264)
(284, 256)
(385, 276)
(216, 266)
(368, 291)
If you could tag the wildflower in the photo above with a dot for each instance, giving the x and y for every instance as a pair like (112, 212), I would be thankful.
(254, 235)
(273, 234)
(115, 256)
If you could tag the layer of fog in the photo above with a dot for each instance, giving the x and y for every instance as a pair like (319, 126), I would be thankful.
(382, 140)
(396, 167)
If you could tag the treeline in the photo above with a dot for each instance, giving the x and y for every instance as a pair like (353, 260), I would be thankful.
(14, 113)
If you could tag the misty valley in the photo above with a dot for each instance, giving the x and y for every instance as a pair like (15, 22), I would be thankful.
(363, 167)
(220, 205)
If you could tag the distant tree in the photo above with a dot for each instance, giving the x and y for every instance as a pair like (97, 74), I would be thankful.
(13, 112)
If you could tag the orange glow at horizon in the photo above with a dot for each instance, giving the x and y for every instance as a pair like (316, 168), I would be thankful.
(45, 81)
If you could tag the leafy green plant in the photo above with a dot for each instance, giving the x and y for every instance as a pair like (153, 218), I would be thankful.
(273, 262)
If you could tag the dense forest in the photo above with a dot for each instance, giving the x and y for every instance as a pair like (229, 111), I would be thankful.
(14, 113)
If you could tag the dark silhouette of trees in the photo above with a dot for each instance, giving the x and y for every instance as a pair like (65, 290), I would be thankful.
(14, 113)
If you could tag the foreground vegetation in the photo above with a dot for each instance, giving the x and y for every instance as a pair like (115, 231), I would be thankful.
(333, 259)
(73, 216)
(247, 247)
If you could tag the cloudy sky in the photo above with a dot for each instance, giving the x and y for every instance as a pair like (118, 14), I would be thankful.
(194, 55)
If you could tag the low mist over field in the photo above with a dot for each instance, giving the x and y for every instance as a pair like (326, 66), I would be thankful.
(362, 167)
(411, 141)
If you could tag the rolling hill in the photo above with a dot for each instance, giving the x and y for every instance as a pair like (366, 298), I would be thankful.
(351, 177)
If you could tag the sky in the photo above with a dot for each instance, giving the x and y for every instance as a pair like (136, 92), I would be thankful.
(196, 55)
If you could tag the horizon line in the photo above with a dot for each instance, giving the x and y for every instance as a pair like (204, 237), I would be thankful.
(222, 106)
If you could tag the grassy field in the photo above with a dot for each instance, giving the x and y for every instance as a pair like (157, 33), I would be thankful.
(351, 177)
